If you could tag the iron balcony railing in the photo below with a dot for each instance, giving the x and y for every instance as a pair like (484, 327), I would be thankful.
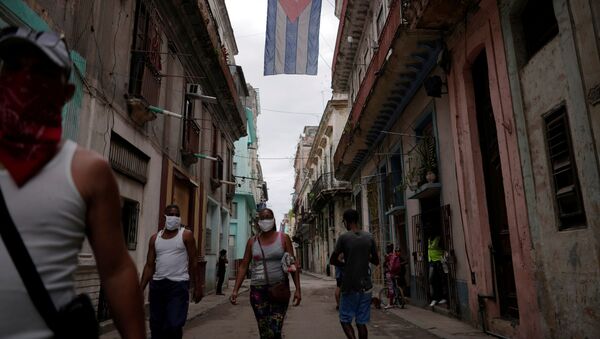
(327, 183)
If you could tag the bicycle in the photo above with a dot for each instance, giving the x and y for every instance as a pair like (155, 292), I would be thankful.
(398, 300)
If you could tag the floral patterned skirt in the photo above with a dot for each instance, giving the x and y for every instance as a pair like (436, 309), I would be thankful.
(269, 315)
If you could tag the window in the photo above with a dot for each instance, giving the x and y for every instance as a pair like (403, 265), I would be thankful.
(130, 211)
(567, 193)
(191, 131)
(127, 159)
(145, 68)
(539, 25)
(234, 210)
(208, 244)
(380, 21)
(235, 168)
(397, 180)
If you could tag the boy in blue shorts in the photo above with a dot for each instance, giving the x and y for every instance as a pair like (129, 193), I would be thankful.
(358, 249)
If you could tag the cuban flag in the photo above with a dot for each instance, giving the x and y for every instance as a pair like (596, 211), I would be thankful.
(292, 40)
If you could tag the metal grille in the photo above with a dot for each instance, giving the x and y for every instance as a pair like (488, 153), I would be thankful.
(375, 227)
(208, 244)
(567, 192)
(420, 258)
(129, 218)
(145, 59)
(127, 159)
(453, 302)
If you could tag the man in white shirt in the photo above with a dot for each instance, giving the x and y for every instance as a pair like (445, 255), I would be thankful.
(170, 267)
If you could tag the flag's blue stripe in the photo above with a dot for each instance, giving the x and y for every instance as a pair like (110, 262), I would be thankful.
(313, 38)
(291, 43)
(269, 67)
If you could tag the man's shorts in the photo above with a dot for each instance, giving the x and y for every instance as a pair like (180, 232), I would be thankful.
(355, 305)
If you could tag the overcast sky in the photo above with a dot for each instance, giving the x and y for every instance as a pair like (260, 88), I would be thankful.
(279, 131)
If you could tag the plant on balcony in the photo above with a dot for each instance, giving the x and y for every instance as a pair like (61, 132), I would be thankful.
(422, 164)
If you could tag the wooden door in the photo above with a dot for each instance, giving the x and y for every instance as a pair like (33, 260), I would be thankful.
(494, 188)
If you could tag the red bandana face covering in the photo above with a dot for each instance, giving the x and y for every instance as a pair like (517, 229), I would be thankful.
(30, 123)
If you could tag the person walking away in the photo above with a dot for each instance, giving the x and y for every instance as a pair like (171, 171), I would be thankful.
(436, 273)
(56, 194)
(170, 269)
(221, 268)
(359, 249)
(267, 255)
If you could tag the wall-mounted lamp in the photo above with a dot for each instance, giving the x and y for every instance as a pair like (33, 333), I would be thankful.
(433, 86)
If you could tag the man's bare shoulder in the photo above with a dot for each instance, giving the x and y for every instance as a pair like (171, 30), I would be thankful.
(90, 171)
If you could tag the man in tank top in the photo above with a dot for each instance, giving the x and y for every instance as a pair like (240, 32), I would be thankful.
(55, 192)
(170, 268)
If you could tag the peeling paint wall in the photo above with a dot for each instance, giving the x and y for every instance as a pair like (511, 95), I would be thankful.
(565, 71)
(482, 31)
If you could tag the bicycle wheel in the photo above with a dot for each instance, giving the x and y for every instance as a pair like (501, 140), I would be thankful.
(383, 297)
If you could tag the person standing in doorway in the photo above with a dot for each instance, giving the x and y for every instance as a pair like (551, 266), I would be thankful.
(359, 249)
(436, 272)
(221, 268)
(170, 268)
(266, 253)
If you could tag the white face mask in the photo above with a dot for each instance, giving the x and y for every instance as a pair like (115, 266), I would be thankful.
(172, 222)
(266, 224)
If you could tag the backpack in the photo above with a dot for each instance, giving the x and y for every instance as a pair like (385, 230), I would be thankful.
(396, 265)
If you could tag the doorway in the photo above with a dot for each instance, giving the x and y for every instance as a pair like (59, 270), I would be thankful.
(494, 187)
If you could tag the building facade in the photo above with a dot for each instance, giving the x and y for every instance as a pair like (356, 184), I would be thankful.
(249, 185)
(134, 61)
(475, 120)
(553, 71)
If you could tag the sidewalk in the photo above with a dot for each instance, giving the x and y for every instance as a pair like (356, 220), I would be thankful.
(434, 323)
(208, 303)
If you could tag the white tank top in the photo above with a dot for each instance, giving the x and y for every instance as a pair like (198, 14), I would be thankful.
(50, 215)
(171, 258)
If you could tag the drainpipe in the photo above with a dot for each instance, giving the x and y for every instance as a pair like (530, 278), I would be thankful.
(482, 298)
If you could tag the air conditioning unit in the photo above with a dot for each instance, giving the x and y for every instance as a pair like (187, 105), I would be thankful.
(194, 89)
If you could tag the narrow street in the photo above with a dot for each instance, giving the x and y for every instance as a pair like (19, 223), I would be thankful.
(315, 318)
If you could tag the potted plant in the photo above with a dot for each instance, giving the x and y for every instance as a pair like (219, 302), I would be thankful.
(426, 154)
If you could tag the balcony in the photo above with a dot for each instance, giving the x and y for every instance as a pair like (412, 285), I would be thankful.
(436, 14)
(325, 187)
(394, 75)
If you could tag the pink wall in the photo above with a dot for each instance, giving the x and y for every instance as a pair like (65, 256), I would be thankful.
(483, 31)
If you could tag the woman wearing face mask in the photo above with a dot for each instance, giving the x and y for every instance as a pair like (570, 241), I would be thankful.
(264, 255)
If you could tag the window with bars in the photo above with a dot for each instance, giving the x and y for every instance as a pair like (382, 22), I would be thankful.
(127, 159)
(191, 132)
(208, 245)
(130, 211)
(567, 192)
(145, 75)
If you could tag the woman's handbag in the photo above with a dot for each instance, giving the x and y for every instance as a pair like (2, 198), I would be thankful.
(280, 292)
(75, 320)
